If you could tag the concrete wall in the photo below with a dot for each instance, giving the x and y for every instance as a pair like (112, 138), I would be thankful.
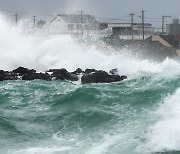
(173, 29)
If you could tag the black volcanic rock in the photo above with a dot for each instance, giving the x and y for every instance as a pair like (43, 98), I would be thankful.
(2, 75)
(34, 76)
(101, 77)
(22, 71)
(62, 74)
(28, 74)
(89, 76)
(87, 71)
(113, 72)
(74, 77)
(78, 71)
(11, 76)
(5, 75)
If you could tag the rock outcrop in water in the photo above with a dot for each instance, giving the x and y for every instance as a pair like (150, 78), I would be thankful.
(88, 76)
(62, 74)
(101, 77)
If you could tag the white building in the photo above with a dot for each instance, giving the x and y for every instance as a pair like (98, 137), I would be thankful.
(73, 24)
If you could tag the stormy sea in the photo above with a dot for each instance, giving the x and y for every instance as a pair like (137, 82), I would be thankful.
(138, 115)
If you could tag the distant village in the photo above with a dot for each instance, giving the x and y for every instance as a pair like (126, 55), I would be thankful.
(125, 33)
(79, 24)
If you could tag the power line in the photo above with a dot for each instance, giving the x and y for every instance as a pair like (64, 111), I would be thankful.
(132, 25)
(26, 13)
(143, 22)
(120, 18)
(163, 18)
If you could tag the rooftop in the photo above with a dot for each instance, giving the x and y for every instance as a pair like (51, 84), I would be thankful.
(76, 18)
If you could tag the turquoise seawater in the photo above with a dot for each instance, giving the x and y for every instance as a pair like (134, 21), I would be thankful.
(136, 116)
(59, 117)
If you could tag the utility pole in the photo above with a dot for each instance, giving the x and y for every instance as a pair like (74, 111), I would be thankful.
(143, 22)
(81, 22)
(34, 19)
(16, 18)
(163, 18)
(132, 25)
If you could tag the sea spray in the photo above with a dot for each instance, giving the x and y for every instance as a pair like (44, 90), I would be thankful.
(62, 51)
(164, 135)
(138, 115)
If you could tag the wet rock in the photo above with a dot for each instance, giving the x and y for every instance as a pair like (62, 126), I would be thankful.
(101, 77)
(34, 76)
(113, 72)
(87, 71)
(123, 77)
(2, 75)
(74, 77)
(28, 74)
(78, 71)
(62, 74)
(12, 76)
(22, 71)
(89, 76)
(5, 75)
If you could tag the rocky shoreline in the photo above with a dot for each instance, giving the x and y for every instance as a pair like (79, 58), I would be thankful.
(87, 76)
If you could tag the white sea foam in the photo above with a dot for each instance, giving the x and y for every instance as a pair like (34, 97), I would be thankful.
(164, 135)
(42, 53)
(109, 140)
(41, 150)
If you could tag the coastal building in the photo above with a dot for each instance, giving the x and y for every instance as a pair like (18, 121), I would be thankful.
(75, 24)
(172, 36)
(173, 28)
(124, 30)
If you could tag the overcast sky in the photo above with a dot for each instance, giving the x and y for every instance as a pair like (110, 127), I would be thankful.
(102, 9)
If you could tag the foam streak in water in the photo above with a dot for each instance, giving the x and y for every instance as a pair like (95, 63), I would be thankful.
(165, 134)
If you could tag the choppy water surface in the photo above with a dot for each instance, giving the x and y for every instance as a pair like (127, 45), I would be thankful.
(136, 116)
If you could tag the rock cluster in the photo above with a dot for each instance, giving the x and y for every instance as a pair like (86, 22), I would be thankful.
(87, 76)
